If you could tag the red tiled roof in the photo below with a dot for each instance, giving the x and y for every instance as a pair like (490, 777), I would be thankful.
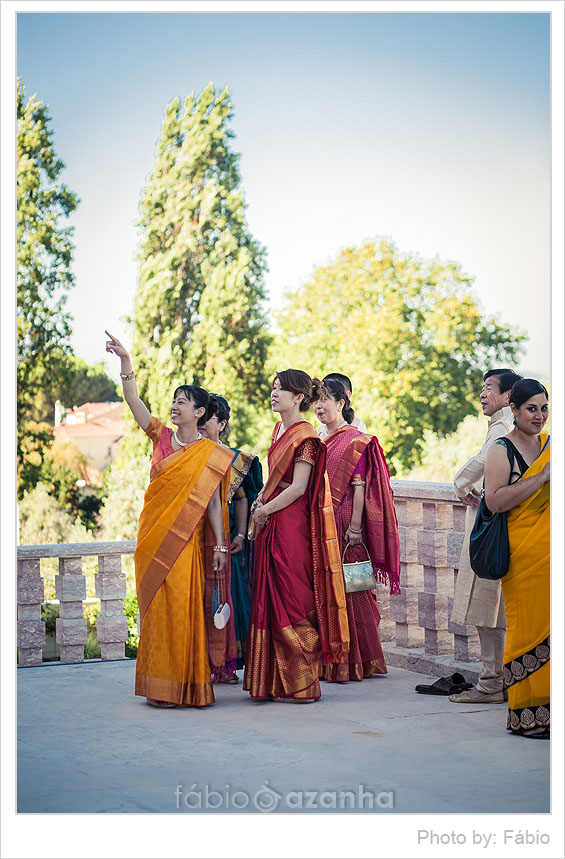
(93, 410)
(91, 429)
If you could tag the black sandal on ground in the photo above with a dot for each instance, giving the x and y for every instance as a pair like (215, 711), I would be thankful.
(445, 686)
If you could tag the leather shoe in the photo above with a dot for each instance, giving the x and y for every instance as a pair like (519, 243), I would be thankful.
(475, 696)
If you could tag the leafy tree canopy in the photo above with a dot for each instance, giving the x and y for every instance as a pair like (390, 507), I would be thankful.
(125, 482)
(44, 255)
(43, 520)
(408, 332)
(90, 384)
(199, 314)
(44, 251)
(443, 455)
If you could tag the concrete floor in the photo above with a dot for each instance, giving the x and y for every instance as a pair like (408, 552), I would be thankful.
(87, 744)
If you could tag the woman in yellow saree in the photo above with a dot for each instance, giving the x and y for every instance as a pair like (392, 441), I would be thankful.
(522, 489)
(181, 551)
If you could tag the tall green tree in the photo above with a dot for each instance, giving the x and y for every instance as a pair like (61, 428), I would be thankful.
(409, 333)
(199, 312)
(90, 384)
(44, 276)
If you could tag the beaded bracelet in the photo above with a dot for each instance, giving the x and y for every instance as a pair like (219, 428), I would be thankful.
(127, 377)
(220, 549)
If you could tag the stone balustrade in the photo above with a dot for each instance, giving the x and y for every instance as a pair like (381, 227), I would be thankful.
(415, 624)
(431, 525)
(70, 589)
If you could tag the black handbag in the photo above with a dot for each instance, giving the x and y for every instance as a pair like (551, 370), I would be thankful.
(489, 551)
(488, 545)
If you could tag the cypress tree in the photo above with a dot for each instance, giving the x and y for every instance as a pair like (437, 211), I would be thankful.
(199, 314)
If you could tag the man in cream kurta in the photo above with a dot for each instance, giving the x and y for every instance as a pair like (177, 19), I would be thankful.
(480, 601)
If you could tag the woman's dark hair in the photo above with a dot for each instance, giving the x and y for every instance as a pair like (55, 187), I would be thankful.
(524, 389)
(201, 399)
(337, 392)
(299, 382)
(223, 413)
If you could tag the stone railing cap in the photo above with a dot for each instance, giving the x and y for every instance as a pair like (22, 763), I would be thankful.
(76, 550)
(424, 491)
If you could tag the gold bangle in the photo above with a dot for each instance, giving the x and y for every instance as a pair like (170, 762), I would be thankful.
(127, 377)
(221, 549)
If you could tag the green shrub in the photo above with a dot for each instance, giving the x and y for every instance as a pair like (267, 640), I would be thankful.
(131, 610)
(49, 614)
(92, 649)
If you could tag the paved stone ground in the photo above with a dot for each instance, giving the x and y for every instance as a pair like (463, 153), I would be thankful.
(87, 744)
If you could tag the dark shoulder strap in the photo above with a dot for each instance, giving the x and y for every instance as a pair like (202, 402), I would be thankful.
(513, 453)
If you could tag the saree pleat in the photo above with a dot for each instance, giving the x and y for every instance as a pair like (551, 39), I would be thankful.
(173, 661)
(526, 589)
(298, 614)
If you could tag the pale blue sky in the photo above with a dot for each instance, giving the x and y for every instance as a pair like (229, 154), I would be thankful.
(429, 128)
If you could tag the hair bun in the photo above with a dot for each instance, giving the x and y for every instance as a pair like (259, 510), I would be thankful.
(317, 386)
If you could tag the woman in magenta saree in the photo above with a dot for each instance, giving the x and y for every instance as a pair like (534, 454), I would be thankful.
(298, 613)
(366, 520)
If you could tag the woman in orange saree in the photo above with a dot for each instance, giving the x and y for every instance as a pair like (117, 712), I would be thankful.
(522, 489)
(181, 551)
(366, 523)
(298, 613)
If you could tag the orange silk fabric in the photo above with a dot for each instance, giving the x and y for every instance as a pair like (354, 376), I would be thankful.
(172, 661)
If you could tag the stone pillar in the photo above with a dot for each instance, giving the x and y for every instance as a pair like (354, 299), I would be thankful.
(31, 629)
(467, 644)
(71, 627)
(439, 547)
(112, 624)
(404, 606)
(387, 627)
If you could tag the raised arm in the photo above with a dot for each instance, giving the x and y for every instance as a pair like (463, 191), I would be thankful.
(138, 408)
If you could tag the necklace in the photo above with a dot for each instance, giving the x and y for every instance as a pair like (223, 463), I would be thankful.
(184, 443)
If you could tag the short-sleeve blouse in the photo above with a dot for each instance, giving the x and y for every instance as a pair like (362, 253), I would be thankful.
(160, 435)
(360, 473)
(306, 452)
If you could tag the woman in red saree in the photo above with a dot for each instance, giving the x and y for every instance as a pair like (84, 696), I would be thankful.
(366, 522)
(298, 614)
(181, 551)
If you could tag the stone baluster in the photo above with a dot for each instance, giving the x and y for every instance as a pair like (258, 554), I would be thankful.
(31, 629)
(404, 606)
(466, 639)
(467, 645)
(71, 627)
(439, 547)
(387, 627)
(112, 625)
